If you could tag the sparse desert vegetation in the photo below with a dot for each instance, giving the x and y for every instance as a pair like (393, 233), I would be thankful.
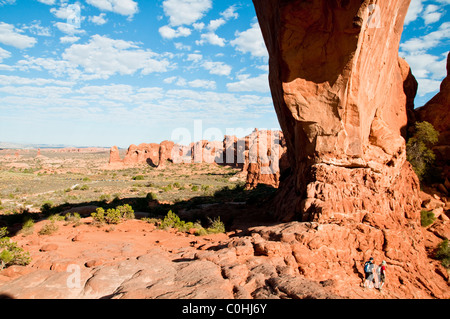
(55, 179)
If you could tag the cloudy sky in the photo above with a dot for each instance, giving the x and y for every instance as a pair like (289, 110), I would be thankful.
(121, 72)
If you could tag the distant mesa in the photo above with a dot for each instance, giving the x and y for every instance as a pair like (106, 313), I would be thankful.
(260, 155)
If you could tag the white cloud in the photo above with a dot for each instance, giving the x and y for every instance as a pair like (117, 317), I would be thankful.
(117, 92)
(181, 46)
(198, 26)
(230, 13)
(185, 12)
(12, 36)
(4, 54)
(249, 84)
(195, 57)
(55, 67)
(429, 70)
(217, 68)
(103, 57)
(428, 41)
(169, 33)
(180, 81)
(100, 58)
(415, 8)
(36, 28)
(212, 39)
(205, 84)
(123, 7)
(69, 28)
(69, 39)
(432, 14)
(250, 41)
(17, 80)
(48, 2)
(427, 86)
(148, 94)
(98, 20)
(215, 24)
(33, 91)
(170, 79)
(424, 65)
(5, 2)
(66, 11)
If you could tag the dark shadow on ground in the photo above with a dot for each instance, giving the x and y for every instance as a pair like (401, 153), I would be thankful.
(238, 208)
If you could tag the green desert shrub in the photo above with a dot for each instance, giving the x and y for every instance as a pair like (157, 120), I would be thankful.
(126, 211)
(138, 178)
(443, 253)
(426, 218)
(104, 198)
(113, 215)
(419, 152)
(217, 226)
(74, 218)
(99, 215)
(10, 252)
(152, 220)
(27, 226)
(49, 228)
(172, 220)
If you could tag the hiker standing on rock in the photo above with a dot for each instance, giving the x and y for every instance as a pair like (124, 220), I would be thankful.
(368, 273)
(381, 274)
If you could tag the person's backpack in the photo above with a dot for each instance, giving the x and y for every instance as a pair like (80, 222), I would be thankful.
(367, 266)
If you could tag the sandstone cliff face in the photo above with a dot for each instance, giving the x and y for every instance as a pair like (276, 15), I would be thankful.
(437, 112)
(338, 90)
(341, 95)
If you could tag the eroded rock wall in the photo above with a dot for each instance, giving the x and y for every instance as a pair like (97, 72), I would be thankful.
(338, 90)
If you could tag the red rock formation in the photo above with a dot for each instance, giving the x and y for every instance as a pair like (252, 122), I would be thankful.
(410, 86)
(262, 161)
(258, 154)
(341, 93)
(152, 154)
(338, 91)
(114, 156)
(141, 154)
(437, 112)
(165, 153)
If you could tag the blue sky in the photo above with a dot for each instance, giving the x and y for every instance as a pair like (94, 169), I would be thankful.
(121, 72)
